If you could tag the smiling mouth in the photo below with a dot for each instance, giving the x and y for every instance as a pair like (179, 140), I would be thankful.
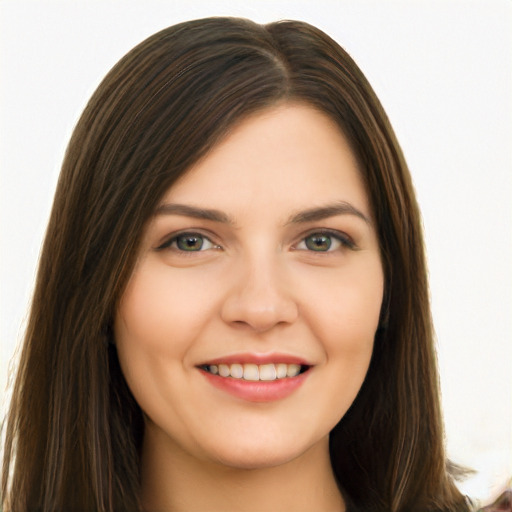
(256, 372)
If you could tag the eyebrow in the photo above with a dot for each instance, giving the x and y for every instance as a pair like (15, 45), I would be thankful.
(330, 210)
(303, 216)
(193, 211)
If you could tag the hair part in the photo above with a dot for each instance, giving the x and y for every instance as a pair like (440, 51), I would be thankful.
(74, 431)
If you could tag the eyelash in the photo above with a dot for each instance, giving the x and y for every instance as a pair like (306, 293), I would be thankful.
(344, 241)
(190, 234)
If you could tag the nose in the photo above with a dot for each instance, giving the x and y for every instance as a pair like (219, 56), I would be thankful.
(259, 298)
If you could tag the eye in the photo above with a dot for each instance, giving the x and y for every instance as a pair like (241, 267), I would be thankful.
(324, 241)
(189, 242)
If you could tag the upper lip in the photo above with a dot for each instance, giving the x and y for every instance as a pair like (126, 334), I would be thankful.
(255, 358)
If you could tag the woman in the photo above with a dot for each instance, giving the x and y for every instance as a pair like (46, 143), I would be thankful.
(232, 300)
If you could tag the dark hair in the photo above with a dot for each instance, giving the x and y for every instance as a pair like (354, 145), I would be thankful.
(74, 430)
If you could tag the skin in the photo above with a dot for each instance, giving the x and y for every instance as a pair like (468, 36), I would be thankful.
(256, 286)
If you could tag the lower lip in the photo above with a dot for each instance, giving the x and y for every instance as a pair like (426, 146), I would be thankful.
(259, 390)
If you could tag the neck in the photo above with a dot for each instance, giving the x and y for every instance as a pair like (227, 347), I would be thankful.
(172, 480)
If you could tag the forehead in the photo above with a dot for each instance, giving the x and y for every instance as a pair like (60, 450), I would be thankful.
(284, 158)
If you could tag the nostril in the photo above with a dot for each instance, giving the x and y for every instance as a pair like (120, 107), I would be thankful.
(241, 312)
(259, 299)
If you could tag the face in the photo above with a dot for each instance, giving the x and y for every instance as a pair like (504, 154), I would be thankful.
(247, 327)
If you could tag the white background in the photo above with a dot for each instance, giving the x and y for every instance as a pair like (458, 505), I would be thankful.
(443, 71)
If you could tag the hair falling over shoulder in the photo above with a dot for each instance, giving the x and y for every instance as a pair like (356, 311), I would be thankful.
(73, 431)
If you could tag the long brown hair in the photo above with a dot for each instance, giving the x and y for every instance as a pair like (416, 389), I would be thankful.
(73, 431)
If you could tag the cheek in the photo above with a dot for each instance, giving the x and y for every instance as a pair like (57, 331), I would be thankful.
(155, 326)
(344, 312)
(345, 308)
(158, 312)
(347, 322)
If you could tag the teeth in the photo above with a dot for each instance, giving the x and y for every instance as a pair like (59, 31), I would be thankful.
(282, 370)
(254, 372)
(251, 372)
(224, 370)
(237, 371)
(268, 372)
(293, 369)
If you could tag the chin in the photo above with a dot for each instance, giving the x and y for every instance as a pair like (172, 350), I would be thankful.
(254, 461)
(252, 455)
